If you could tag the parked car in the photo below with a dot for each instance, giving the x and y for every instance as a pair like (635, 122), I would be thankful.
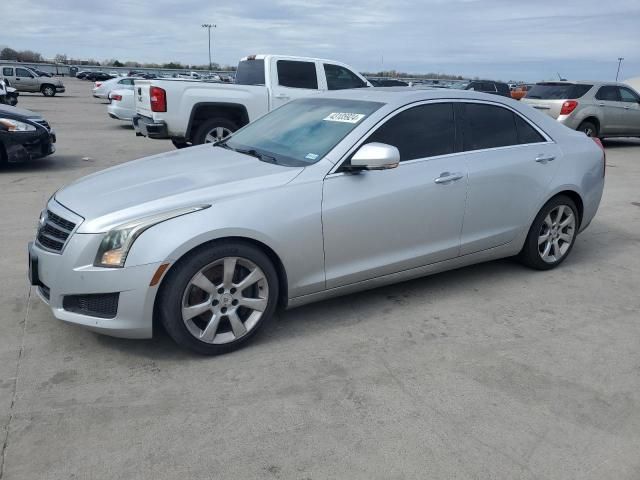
(599, 109)
(102, 89)
(519, 91)
(98, 76)
(24, 135)
(380, 186)
(190, 112)
(122, 105)
(26, 80)
(489, 86)
(8, 94)
(387, 82)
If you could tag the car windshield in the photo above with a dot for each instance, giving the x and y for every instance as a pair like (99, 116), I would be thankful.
(557, 91)
(302, 131)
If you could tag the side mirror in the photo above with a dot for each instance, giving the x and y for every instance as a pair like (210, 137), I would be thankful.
(375, 156)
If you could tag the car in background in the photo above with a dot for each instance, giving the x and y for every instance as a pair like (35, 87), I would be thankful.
(24, 135)
(489, 86)
(82, 74)
(122, 104)
(387, 82)
(599, 109)
(42, 74)
(98, 76)
(519, 91)
(381, 186)
(102, 89)
(26, 80)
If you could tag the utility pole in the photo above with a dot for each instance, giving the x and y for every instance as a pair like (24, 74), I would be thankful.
(209, 26)
(620, 59)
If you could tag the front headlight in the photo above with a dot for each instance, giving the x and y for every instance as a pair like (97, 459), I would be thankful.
(116, 243)
(16, 126)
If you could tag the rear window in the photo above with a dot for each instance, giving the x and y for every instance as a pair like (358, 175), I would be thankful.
(557, 91)
(250, 72)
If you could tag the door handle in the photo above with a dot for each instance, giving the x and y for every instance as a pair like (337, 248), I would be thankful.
(446, 177)
(627, 107)
(601, 104)
(541, 158)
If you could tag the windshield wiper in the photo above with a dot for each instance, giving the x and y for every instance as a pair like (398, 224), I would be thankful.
(254, 153)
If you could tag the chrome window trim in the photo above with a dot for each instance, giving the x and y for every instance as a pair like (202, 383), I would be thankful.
(361, 140)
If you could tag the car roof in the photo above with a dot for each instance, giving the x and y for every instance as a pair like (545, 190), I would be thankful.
(580, 82)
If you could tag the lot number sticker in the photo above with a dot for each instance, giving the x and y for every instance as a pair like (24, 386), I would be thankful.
(345, 117)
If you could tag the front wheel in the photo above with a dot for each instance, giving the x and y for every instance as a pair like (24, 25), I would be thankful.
(214, 130)
(552, 234)
(48, 91)
(215, 299)
(12, 101)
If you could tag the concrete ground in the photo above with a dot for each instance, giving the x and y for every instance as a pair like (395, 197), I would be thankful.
(493, 371)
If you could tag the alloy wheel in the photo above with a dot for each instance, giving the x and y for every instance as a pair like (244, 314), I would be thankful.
(216, 134)
(225, 300)
(556, 234)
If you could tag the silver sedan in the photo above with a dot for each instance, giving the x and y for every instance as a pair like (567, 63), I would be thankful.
(324, 196)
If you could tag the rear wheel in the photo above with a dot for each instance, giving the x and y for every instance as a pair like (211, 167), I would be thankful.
(48, 90)
(588, 128)
(552, 235)
(214, 130)
(214, 300)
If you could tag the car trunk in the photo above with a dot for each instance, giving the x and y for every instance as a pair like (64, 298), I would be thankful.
(548, 97)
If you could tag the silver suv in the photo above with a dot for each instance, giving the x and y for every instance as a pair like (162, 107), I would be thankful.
(26, 80)
(599, 109)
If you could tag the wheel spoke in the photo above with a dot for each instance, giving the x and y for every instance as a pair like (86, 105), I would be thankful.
(565, 237)
(194, 310)
(250, 279)
(547, 250)
(219, 133)
(556, 249)
(229, 270)
(543, 238)
(203, 283)
(236, 325)
(559, 214)
(209, 332)
(548, 221)
(567, 221)
(259, 304)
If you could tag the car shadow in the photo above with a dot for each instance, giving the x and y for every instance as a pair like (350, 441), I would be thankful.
(621, 142)
(51, 163)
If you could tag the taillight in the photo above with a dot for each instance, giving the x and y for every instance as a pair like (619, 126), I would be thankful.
(116, 97)
(97, 84)
(604, 154)
(158, 98)
(568, 107)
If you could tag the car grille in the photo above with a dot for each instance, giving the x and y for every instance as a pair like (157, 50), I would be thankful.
(42, 122)
(102, 305)
(54, 233)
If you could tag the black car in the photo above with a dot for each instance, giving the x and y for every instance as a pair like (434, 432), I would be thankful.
(387, 82)
(24, 135)
(98, 76)
(489, 86)
(81, 75)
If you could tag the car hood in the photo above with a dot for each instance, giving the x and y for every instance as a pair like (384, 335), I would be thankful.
(193, 176)
(16, 112)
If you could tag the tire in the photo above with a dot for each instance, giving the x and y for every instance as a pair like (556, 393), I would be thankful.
(588, 128)
(12, 101)
(180, 143)
(48, 90)
(225, 125)
(198, 279)
(559, 239)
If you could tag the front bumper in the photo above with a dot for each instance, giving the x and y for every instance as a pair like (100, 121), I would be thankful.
(72, 273)
(25, 146)
(60, 89)
(146, 127)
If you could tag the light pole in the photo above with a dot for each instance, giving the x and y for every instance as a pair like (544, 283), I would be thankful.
(208, 26)
(620, 59)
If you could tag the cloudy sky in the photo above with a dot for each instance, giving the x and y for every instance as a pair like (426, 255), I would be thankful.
(503, 39)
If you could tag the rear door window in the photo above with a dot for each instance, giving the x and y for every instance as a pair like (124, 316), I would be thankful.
(296, 74)
(526, 133)
(420, 132)
(487, 126)
(608, 93)
(341, 78)
(627, 95)
(7, 72)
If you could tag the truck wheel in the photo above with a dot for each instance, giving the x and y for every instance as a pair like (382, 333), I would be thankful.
(48, 90)
(214, 130)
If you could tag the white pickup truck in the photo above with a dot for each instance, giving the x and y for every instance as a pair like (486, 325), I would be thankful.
(193, 112)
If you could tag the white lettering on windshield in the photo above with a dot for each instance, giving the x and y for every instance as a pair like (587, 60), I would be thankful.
(344, 117)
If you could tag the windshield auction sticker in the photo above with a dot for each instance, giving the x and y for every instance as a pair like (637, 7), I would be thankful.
(344, 117)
